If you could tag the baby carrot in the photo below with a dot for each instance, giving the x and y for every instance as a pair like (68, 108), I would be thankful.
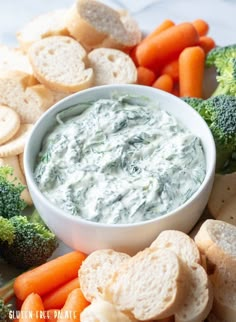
(201, 26)
(46, 277)
(191, 71)
(172, 69)
(32, 309)
(145, 76)
(57, 298)
(206, 43)
(164, 82)
(74, 305)
(167, 45)
(52, 315)
(163, 26)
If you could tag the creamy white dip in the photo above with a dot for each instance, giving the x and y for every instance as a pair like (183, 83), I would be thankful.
(122, 160)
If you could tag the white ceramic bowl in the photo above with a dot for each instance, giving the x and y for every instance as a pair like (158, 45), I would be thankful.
(88, 236)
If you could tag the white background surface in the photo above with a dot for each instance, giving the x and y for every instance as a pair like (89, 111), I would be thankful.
(220, 14)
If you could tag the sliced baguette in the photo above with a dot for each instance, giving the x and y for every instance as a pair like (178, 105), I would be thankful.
(102, 311)
(112, 66)
(180, 243)
(95, 24)
(149, 285)
(22, 93)
(216, 239)
(59, 62)
(198, 301)
(12, 59)
(199, 296)
(83, 31)
(45, 25)
(224, 283)
(97, 270)
(224, 188)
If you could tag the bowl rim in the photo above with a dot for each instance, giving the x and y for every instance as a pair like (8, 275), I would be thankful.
(210, 168)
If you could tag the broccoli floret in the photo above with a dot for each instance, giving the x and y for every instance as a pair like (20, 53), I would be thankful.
(219, 112)
(4, 311)
(32, 245)
(224, 60)
(11, 203)
(194, 102)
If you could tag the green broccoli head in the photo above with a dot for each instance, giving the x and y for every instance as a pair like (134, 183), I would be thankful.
(11, 203)
(219, 112)
(224, 60)
(194, 102)
(4, 311)
(33, 243)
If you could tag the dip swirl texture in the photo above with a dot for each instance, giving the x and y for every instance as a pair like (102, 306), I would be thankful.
(122, 160)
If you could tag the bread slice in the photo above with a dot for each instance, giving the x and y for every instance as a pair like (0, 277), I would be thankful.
(112, 66)
(102, 311)
(198, 300)
(12, 59)
(149, 285)
(98, 25)
(224, 283)
(22, 93)
(227, 212)
(83, 31)
(45, 25)
(224, 188)
(180, 243)
(97, 270)
(216, 239)
(59, 62)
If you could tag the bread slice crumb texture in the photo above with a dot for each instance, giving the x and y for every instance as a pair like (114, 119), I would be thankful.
(149, 285)
(112, 66)
(48, 24)
(59, 63)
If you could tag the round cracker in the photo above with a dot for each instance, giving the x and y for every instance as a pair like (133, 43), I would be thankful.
(17, 143)
(9, 123)
(227, 212)
(224, 188)
(13, 162)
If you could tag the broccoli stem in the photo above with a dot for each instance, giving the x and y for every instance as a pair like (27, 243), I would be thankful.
(7, 291)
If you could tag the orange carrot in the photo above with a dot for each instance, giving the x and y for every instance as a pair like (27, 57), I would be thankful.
(207, 43)
(175, 90)
(163, 26)
(191, 71)
(52, 315)
(74, 305)
(32, 309)
(164, 82)
(57, 298)
(45, 278)
(172, 69)
(201, 26)
(145, 76)
(165, 46)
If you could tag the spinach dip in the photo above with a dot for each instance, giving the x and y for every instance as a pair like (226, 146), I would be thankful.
(121, 160)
